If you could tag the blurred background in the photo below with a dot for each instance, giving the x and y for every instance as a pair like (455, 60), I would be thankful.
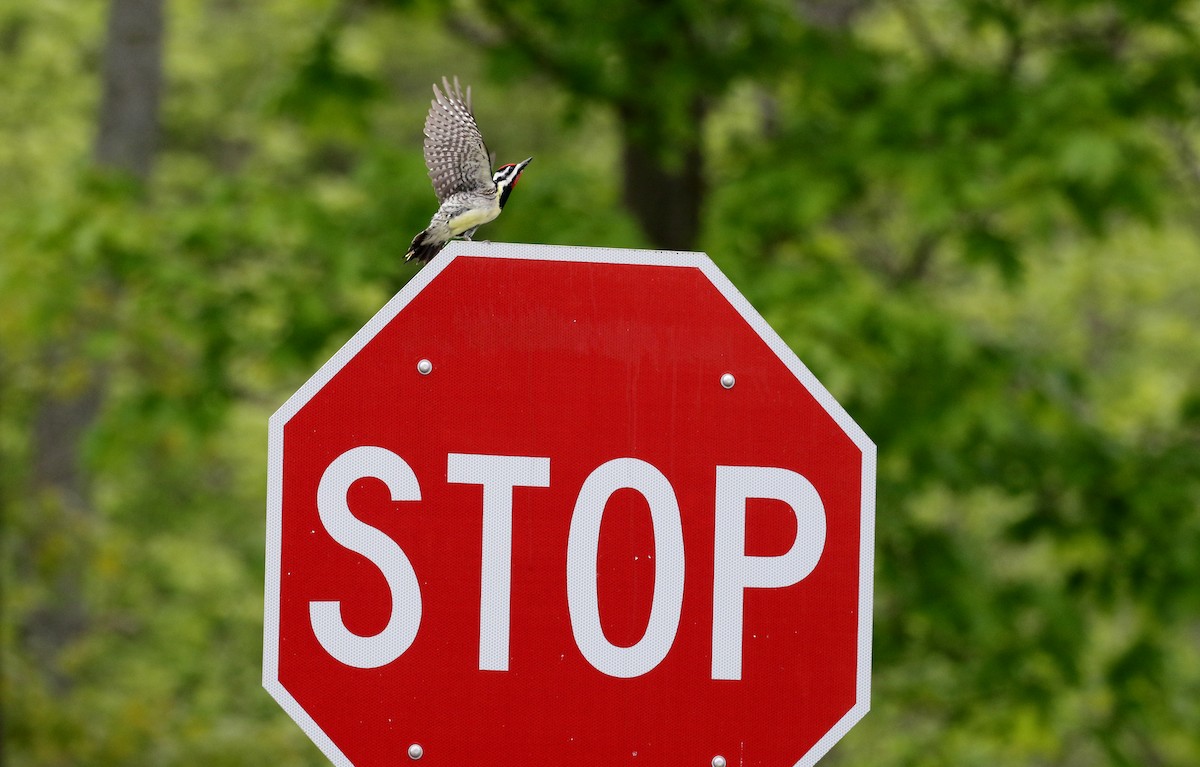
(977, 222)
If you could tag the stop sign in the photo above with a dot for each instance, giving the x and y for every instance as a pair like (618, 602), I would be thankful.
(568, 507)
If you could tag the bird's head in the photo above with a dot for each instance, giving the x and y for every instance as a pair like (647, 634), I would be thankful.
(505, 178)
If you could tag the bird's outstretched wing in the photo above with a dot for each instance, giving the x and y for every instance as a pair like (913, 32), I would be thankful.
(455, 154)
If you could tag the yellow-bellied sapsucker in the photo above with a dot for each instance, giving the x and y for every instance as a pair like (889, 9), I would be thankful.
(460, 167)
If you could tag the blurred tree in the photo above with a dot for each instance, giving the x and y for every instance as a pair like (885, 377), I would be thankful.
(981, 85)
(124, 147)
(661, 68)
(128, 135)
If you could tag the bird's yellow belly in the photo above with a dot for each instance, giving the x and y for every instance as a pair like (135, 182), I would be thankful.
(472, 218)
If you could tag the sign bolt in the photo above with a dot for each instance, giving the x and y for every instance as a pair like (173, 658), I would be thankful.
(718, 760)
(415, 751)
(727, 381)
(424, 367)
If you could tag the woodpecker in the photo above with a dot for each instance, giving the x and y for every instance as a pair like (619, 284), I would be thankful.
(459, 165)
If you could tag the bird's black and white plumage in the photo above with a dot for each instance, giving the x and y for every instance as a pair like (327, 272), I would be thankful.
(460, 167)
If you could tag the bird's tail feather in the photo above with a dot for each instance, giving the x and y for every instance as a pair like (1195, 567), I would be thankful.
(424, 247)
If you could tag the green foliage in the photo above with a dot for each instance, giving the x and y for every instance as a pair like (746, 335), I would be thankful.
(975, 222)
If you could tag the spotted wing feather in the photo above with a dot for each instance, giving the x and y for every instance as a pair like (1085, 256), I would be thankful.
(455, 154)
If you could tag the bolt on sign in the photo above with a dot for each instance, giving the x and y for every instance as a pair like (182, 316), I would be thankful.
(568, 507)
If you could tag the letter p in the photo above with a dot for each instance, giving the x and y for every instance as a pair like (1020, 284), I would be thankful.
(734, 571)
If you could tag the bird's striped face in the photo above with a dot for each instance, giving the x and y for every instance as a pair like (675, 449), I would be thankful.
(505, 178)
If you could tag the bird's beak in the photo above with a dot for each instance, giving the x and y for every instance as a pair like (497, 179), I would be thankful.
(521, 166)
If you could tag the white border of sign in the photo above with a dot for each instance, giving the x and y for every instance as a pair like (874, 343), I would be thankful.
(587, 255)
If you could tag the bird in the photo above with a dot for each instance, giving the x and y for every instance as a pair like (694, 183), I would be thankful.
(469, 194)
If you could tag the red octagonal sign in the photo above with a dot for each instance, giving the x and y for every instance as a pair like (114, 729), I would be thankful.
(568, 507)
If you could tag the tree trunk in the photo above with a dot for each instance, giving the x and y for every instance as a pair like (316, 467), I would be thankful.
(125, 142)
(663, 185)
(128, 134)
